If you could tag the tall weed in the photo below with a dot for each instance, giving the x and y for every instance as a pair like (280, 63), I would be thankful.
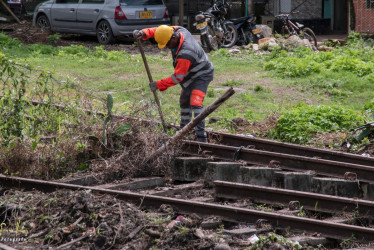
(39, 112)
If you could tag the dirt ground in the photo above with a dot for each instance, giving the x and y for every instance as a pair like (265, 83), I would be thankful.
(81, 220)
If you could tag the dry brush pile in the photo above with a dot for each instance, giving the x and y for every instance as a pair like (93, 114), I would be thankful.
(80, 219)
(48, 129)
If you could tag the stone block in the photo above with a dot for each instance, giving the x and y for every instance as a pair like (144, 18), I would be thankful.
(293, 180)
(368, 191)
(188, 168)
(262, 176)
(337, 187)
(222, 171)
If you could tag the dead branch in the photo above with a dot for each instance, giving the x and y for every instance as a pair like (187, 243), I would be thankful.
(181, 133)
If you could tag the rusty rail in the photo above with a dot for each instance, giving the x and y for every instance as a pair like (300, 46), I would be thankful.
(329, 229)
(286, 161)
(310, 201)
(288, 148)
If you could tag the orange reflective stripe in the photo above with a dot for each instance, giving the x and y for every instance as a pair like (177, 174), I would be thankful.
(197, 98)
(165, 83)
(180, 42)
(149, 33)
(182, 67)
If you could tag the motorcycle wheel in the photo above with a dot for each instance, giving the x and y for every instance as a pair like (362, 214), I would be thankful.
(230, 37)
(209, 40)
(309, 34)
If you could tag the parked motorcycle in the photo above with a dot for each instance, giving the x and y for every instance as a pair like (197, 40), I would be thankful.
(247, 32)
(215, 30)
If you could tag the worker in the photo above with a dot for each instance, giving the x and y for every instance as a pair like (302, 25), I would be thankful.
(192, 70)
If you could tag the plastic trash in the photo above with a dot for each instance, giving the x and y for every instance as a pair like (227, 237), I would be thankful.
(253, 239)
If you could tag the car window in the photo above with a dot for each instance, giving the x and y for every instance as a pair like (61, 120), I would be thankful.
(93, 1)
(66, 1)
(141, 2)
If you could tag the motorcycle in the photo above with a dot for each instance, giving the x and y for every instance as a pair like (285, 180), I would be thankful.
(215, 30)
(247, 32)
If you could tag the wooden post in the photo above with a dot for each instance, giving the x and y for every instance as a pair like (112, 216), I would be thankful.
(10, 11)
(151, 80)
(181, 12)
(181, 133)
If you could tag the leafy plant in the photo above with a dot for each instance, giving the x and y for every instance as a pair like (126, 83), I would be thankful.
(265, 242)
(348, 243)
(182, 230)
(303, 121)
(301, 212)
(233, 83)
(53, 39)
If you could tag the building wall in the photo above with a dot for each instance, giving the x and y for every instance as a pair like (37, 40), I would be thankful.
(364, 16)
(309, 10)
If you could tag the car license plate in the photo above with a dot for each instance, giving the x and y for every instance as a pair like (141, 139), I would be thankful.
(145, 14)
(201, 25)
(256, 31)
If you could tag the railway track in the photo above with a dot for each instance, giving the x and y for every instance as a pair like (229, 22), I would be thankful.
(255, 151)
(260, 151)
(231, 191)
(288, 148)
(292, 162)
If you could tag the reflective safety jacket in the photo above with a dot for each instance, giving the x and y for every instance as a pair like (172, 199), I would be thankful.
(189, 60)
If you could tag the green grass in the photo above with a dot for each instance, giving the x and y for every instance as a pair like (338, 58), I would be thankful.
(265, 84)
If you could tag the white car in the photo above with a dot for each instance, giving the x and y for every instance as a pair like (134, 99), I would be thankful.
(107, 19)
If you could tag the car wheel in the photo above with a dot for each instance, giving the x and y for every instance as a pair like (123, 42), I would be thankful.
(104, 33)
(43, 22)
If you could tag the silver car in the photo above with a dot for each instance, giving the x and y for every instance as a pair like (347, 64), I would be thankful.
(107, 19)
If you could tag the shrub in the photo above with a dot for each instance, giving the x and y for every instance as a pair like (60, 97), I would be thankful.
(302, 122)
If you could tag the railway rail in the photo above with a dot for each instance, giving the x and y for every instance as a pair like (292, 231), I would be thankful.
(310, 201)
(284, 161)
(327, 228)
(254, 151)
(288, 148)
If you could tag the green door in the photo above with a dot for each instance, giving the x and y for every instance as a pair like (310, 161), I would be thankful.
(327, 9)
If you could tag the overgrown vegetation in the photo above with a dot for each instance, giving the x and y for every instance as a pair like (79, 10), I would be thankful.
(45, 131)
(314, 95)
(302, 122)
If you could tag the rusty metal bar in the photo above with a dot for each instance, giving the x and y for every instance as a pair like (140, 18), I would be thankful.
(289, 162)
(288, 148)
(310, 201)
(329, 229)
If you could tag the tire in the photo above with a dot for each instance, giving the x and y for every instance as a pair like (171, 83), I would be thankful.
(104, 33)
(205, 42)
(230, 37)
(309, 34)
(285, 32)
(43, 22)
(211, 40)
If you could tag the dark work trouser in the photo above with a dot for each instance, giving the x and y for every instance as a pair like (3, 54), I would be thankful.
(187, 109)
